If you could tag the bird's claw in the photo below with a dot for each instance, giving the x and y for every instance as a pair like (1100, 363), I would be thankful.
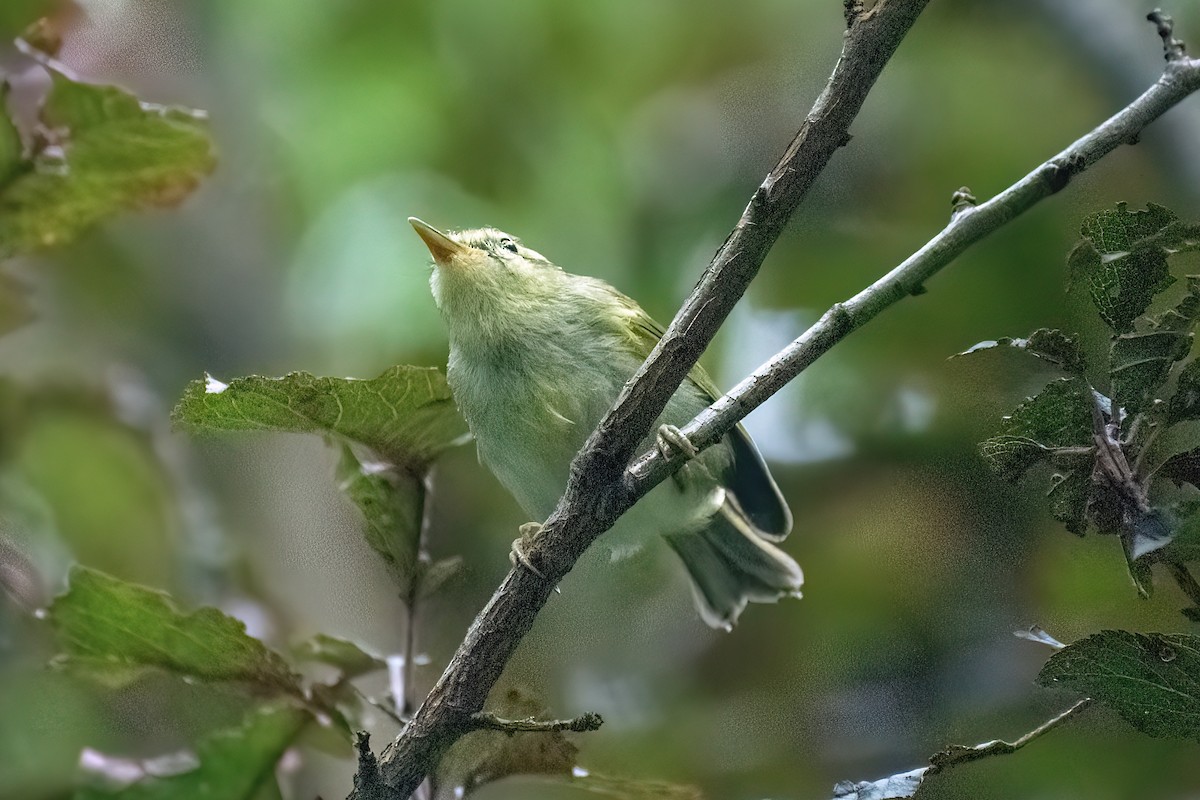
(520, 547)
(671, 440)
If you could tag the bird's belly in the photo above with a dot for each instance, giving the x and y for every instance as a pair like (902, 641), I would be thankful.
(535, 475)
(527, 433)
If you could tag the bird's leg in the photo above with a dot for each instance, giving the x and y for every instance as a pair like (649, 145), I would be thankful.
(670, 438)
(521, 545)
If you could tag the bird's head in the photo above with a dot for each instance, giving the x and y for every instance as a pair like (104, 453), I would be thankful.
(485, 272)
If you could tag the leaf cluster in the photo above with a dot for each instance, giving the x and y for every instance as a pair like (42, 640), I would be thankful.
(389, 430)
(1112, 426)
(93, 151)
(90, 152)
(114, 631)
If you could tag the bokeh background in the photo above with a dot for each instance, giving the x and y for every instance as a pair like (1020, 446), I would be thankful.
(621, 139)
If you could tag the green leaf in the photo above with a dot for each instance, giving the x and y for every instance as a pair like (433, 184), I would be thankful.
(485, 756)
(1054, 346)
(391, 502)
(102, 622)
(83, 107)
(893, 787)
(1141, 361)
(406, 415)
(405, 418)
(1151, 679)
(116, 154)
(1185, 403)
(1069, 494)
(1055, 426)
(1012, 456)
(347, 656)
(1059, 417)
(1123, 261)
(1186, 544)
(1182, 468)
(231, 764)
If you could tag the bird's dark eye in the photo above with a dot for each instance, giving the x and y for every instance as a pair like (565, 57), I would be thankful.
(508, 244)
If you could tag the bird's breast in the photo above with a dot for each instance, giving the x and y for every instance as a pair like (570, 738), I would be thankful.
(530, 414)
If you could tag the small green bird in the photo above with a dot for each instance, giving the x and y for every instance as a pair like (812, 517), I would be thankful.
(538, 355)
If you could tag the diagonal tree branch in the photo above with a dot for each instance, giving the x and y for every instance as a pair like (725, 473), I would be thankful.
(595, 495)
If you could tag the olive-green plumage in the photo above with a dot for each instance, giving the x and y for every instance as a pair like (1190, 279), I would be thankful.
(538, 355)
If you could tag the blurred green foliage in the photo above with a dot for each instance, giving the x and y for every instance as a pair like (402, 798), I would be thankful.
(622, 140)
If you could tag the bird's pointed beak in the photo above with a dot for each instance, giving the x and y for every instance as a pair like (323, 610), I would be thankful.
(441, 246)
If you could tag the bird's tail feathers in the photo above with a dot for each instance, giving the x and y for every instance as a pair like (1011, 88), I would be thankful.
(730, 564)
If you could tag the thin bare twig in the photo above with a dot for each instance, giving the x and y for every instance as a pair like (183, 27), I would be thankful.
(905, 784)
(1110, 46)
(381, 705)
(1173, 49)
(960, 754)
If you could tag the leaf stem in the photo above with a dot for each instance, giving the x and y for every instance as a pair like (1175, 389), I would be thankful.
(408, 702)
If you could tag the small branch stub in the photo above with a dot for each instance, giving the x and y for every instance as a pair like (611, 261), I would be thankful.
(962, 200)
(368, 781)
(1173, 49)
